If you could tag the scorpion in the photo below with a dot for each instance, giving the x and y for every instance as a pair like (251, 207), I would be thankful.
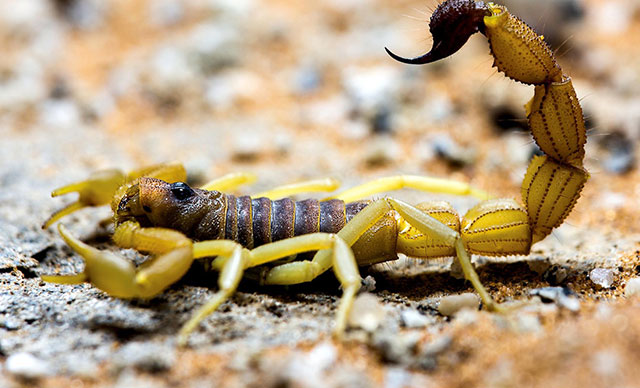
(157, 213)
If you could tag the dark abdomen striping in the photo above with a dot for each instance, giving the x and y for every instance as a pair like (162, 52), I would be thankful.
(254, 222)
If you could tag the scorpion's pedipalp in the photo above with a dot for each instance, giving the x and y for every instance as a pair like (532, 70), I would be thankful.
(451, 25)
(118, 277)
(97, 190)
(168, 172)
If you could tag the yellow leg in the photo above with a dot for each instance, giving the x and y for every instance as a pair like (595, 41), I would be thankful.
(423, 183)
(344, 266)
(234, 264)
(233, 259)
(313, 186)
(229, 182)
(118, 277)
(421, 221)
(426, 224)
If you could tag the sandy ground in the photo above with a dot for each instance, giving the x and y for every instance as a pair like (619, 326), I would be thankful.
(292, 92)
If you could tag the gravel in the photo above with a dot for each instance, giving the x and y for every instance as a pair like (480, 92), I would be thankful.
(451, 304)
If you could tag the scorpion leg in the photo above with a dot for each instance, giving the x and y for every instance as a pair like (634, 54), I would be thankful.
(316, 185)
(230, 181)
(425, 224)
(233, 259)
(117, 276)
(423, 183)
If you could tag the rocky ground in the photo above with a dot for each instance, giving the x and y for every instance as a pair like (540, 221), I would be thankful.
(297, 91)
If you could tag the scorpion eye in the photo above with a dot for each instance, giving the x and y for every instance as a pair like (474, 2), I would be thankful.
(181, 190)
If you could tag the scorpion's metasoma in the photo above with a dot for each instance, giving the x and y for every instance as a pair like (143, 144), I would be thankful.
(155, 212)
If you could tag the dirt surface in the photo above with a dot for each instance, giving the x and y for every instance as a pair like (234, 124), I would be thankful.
(292, 92)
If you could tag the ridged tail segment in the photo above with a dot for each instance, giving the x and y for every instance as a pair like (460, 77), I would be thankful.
(257, 221)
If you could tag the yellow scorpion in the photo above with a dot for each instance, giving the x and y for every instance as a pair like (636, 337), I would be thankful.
(155, 212)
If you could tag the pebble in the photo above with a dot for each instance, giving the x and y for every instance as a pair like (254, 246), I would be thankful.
(150, 357)
(447, 149)
(86, 14)
(413, 319)
(367, 312)
(451, 304)
(11, 323)
(606, 363)
(381, 151)
(247, 148)
(27, 366)
(166, 12)
(369, 284)
(563, 297)
(307, 79)
(538, 265)
(602, 277)
(397, 348)
(632, 288)
(620, 157)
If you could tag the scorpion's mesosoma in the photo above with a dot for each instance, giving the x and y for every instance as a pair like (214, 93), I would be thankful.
(164, 218)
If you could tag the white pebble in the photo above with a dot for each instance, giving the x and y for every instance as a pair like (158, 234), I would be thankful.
(632, 288)
(367, 312)
(414, 319)
(449, 305)
(27, 366)
(602, 277)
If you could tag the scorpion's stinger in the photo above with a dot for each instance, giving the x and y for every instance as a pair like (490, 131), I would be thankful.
(451, 25)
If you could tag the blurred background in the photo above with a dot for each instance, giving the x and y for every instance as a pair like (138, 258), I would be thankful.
(299, 90)
(292, 91)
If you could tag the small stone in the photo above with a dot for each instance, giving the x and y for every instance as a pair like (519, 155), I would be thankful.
(368, 284)
(602, 277)
(307, 79)
(556, 275)
(539, 265)
(563, 297)
(620, 150)
(382, 151)
(27, 366)
(451, 152)
(632, 288)
(396, 348)
(414, 319)
(247, 148)
(528, 323)
(166, 12)
(145, 356)
(451, 304)
(367, 312)
(606, 363)
(11, 323)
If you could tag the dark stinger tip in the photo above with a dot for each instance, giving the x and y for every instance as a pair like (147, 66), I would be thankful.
(421, 60)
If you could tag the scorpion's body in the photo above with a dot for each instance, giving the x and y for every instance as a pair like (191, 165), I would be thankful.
(178, 224)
